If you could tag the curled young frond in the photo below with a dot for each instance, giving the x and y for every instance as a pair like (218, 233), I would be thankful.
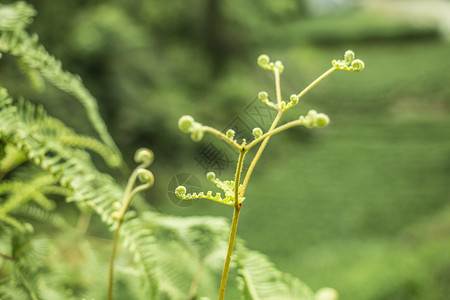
(265, 63)
(226, 186)
(144, 156)
(314, 119)
(357, 65)
(230, 133)
(182, 194)
(187, 124)
(293, 101)
(257, 132)
(349, 63)
(264, 98)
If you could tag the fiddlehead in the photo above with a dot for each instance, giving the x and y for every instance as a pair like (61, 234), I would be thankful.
(145, 158)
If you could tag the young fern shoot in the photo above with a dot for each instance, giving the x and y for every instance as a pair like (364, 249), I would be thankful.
(234, 191)
(145, 157)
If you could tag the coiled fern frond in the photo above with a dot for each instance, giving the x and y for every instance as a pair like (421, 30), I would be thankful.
(34, 57)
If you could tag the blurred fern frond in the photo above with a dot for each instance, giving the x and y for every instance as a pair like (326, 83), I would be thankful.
(260, 280)
(169, 257)
(15, 16)
(35, 58)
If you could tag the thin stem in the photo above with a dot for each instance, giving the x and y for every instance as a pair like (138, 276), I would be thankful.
(222, 136)
(242, 150)
(128, 197)
(237, 177)
(112, 259)
(265, 137)
(272, 132)
(234, 225)
(312, 84)
(258, 153)
(276, 72)
(232, 239)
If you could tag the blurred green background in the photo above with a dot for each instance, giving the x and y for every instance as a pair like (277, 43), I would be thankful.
(361, 205)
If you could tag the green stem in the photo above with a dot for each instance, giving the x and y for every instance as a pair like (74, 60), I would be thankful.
(112, 259)
(312, 84)
(272, 132)
(276, 72)
(226, 267)
(234, 225)
(222, 136)
(258, 153)
(128, 196)
(266, 139)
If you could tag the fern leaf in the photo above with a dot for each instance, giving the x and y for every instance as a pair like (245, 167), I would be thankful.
(15, 16)
(260, 280)
(35, 58)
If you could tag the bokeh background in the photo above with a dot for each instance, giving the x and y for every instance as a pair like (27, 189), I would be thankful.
(361, 205)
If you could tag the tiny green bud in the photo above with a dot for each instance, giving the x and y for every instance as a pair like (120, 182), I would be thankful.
(230, 133)
(349, 56)
(326, 294)
(279, 66)
(180, 191)
(144, 155)
(294, 99)
(263, 61)
(322, 120)
(211, 176)
(312, 114)
(185, 123)
(145, 176)
(263, 96)
(357, 65)
(257, 132)
(197, 135)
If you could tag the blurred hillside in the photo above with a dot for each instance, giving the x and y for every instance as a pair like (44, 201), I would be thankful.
(362, 205)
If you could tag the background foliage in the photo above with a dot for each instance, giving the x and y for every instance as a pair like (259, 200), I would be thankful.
(365, 201)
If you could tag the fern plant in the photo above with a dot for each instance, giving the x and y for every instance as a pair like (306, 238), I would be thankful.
(43, 161)
(234, 190)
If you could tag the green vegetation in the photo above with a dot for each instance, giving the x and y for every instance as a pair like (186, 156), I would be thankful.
(364, 202)
(233, 189)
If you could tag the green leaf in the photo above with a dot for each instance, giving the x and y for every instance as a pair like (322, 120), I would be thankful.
(260, 280)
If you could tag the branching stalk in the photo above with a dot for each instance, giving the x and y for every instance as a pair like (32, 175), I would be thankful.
(145, 157)
(222, 136)
(234, 224)
(318, 79)
(312, 119)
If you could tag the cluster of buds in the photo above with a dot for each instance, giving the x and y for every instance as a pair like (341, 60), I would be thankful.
(314, 119)
(349, 63)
